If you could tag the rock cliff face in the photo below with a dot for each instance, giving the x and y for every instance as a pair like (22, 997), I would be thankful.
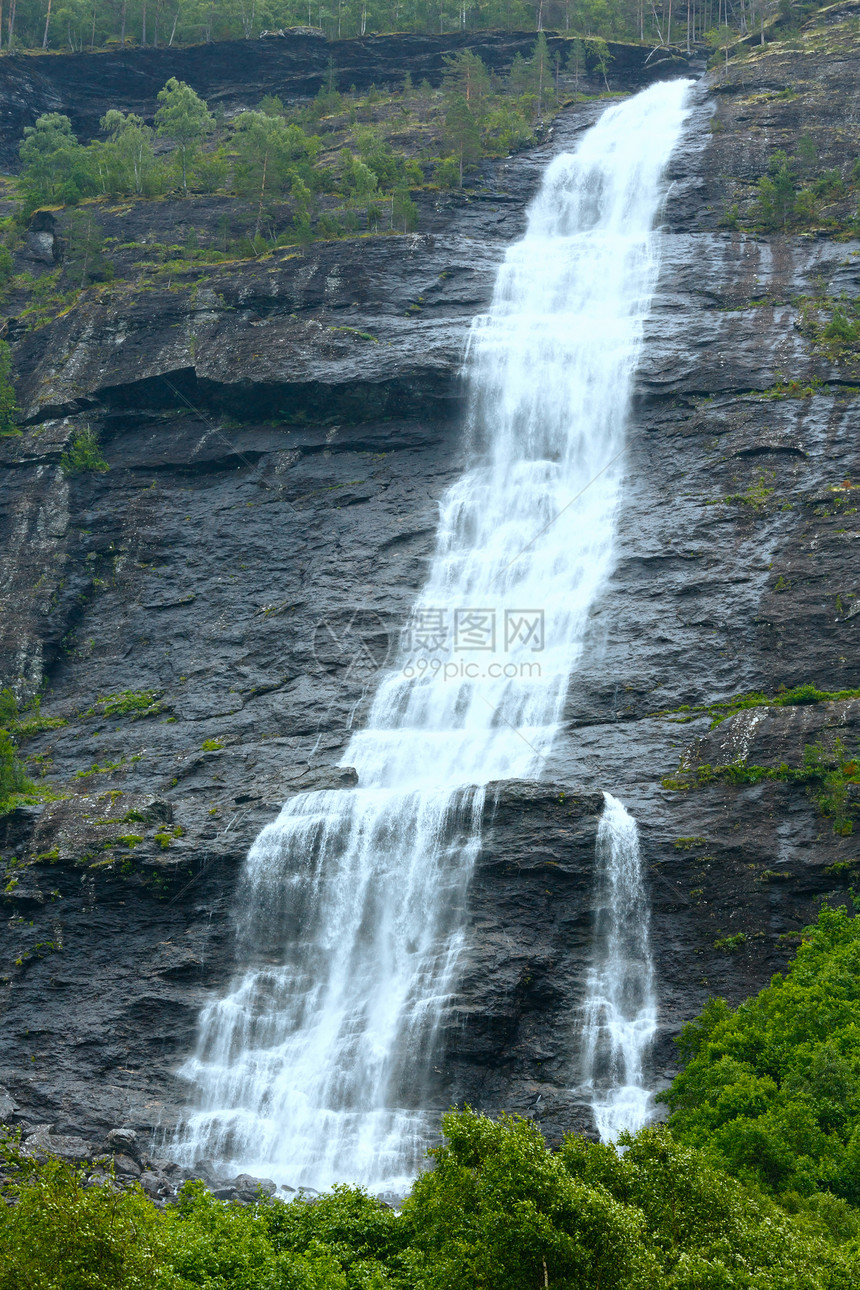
(208, 615)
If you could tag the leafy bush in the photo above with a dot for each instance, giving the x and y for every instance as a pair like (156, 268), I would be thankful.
(771, 1091)
(8, 402)
(127, 703)
(777, 193)
(13, 777)
(84, 454)
(498, 1212)
(501, 1211)
(54, 166)
(58, 1233)
(446, 172)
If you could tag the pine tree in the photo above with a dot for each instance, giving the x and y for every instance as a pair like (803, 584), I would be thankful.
(466, 74)
(461, 133)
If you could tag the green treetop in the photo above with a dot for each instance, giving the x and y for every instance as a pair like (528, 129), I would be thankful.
(129, 153)
(8, 402)
(269, 152)
(54, 166)
(466, 74)
(183, 118)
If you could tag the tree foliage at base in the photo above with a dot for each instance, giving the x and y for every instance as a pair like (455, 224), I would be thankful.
(771, 1090)
(498, 1211)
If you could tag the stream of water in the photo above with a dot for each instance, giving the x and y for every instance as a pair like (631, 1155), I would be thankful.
(620, 1004)
(313, 1067)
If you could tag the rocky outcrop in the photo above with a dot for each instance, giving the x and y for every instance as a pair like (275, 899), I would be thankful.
(209, 614)
(120, 1161)
(509, 1038)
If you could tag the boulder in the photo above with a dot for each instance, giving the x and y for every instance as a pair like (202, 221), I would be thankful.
(30, 1130)
(124, 1141)
(156, 1185)
(65, 1147)
(8, 1106)
(248, 1188)
(125, 1165)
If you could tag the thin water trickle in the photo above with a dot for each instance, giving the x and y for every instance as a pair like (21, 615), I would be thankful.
(314, 1067)
(621, 1007)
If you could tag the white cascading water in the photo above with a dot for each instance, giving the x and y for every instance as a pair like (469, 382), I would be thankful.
(313, 1069)
(620, 1007)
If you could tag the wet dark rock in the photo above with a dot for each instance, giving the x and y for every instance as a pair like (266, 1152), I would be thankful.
(126, 1165)
(239, 73)
(30, 1130)
(247, 1188)
(8, 1106)
(123, 1140)
(508, 1039)
(156, 1185)
(773, 737)
(66, 1147)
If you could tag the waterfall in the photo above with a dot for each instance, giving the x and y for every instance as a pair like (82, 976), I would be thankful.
(315, 1066)
(620, 1009)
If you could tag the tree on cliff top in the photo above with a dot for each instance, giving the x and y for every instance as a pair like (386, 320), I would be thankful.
(184, 118)
(128, 156)
(54, 166)
(461, 133)
(270, 155)
(466, 74)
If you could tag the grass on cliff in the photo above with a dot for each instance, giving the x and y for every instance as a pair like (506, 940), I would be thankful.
(796, 696)
(15, 786)
(831, 777)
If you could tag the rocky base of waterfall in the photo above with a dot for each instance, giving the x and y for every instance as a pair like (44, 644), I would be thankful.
(278, 439)
(122, 1160)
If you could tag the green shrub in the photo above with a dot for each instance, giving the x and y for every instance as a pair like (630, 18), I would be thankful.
(404, 212)
(59, 1234)
(13, 777)
(771, 1091)
(6, 265)
(498, 1212)
(127, 703)
(446, 172)
(84, 454)
(8, 402)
